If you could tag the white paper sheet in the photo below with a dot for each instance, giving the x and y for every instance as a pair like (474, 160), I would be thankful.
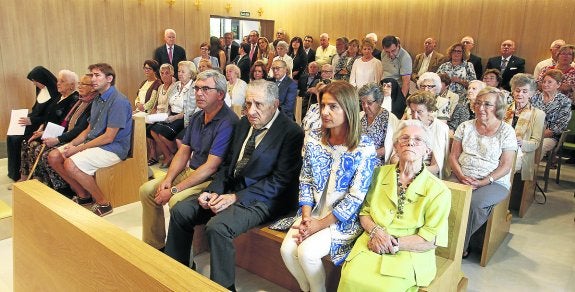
(15, 129)
(153, 118)
(52, 131)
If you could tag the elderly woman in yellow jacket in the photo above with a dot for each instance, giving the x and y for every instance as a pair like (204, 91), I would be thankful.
(404, 218)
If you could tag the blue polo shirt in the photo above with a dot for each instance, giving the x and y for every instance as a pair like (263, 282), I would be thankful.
(112, 110)
(212, 138)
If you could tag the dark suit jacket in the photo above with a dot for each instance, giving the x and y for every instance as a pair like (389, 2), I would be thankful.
(303, 85)
(245, 65)
(514, 66)
(271, 175)
(376, 53)
(234, 51)
(255, 56)
(477, 65)
(436, 60)
(310, 55)
(287, 95)
(161, 56)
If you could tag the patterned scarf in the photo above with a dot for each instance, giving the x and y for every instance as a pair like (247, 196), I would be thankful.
(522, 122)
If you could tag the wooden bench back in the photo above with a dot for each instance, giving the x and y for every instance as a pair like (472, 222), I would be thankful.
(460, 201)
(61, 246)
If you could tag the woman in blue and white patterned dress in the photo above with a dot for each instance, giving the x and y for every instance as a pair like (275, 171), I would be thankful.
(338, 163)
(459, 70)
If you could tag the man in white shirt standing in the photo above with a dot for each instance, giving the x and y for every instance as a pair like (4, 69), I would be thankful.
(325, 52)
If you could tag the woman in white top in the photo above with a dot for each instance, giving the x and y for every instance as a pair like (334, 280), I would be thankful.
(182, 104)
(282, 49)
(367, 68)
(205, 55)
(265, 53)
(236, 94)
(422, 105)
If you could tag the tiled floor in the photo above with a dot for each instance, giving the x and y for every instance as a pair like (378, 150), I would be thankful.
(538, 255)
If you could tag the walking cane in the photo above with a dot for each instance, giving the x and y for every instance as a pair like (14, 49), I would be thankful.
(36, 162)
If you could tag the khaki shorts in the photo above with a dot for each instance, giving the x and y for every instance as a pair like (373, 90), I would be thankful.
(92, 159)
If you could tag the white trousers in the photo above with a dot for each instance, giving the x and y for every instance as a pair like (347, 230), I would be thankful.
(304, 260)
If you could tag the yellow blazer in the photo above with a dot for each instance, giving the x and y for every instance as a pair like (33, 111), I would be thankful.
(426, 210)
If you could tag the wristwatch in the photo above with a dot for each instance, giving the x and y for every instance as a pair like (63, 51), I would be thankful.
(490, 179)
(174, 190)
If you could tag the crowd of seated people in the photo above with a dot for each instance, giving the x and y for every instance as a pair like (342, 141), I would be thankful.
(362, 125)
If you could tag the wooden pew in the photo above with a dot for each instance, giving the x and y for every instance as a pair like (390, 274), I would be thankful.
(523, 192)
(61, 246)
(448, 259)
(120, 182)
(258, 251)
(298, 110)
(497, 226)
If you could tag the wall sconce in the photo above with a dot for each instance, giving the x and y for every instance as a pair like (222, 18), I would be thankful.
(260, 11)
(228, 7)
(171, 2)
(197, 3)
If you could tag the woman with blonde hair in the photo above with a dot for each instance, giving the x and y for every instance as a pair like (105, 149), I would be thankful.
(367, 68)
(265, 52)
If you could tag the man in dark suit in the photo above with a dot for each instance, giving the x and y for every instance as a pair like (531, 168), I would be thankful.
(243, 62)
(469, 43)
(258, 179)
(230, 47)
(308, 80)
(309, 52)
(287, 88)
(170, 52)
(428, 61)
(507, 63)
(253, 42)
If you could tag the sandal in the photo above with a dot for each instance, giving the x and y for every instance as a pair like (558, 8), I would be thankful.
(152, 161)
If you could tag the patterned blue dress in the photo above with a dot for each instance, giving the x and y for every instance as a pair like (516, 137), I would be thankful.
(336, 180)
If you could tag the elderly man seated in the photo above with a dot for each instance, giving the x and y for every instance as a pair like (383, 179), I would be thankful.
(254, 185)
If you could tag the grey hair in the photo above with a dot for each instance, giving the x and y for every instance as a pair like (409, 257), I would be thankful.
(481, 83)
(522, 79)
(416, 123)
(191, 67)
(270, 89)
(235, 69)
(169, 30)
(69, 76)
(282, 44)
(433, 77)
(371, 89)
(500, 100)
(219, 79)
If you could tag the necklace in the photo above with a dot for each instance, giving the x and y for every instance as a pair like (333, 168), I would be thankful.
(401, 190)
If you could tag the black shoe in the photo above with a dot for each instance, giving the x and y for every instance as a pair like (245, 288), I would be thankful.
(232, 288)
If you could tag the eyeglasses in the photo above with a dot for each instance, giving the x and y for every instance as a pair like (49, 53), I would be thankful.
(203, 49)
(326, 71)
(485, 104)
(457, 51)
(147, 68)
(386, 84)
(367, 102)
(405, 139)
(423, 86)
(204, 89)
(277, 68)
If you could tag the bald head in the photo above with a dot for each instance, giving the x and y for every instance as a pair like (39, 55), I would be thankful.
(468, 43)
(507, 48)
(554, 49)
(429, 45)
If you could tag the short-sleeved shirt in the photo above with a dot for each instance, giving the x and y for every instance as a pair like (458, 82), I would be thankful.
(212, 138)
(395, 68)
(481, 154)
(112, 110)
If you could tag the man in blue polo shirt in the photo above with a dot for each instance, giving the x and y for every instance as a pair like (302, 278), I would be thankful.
(205, 145)
(104, 143)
